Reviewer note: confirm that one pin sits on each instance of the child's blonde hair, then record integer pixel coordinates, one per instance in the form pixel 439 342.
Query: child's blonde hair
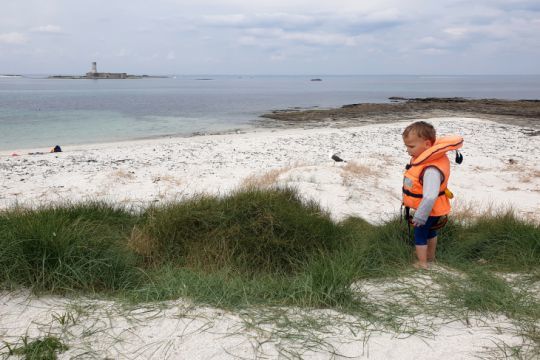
pixel 422 129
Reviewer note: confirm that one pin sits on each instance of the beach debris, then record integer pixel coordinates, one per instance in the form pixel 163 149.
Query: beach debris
pixel 512 161
pixel 14 154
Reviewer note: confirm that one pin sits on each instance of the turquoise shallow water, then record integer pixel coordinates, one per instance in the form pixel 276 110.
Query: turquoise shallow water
pixel 39 112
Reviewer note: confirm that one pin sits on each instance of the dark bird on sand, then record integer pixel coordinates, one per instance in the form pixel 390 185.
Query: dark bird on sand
pixel 336 158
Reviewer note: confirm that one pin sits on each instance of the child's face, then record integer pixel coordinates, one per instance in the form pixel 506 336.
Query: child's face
pixel 416 145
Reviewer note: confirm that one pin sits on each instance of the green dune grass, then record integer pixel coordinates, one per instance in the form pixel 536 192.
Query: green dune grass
pixel 67 248
pixel 250 234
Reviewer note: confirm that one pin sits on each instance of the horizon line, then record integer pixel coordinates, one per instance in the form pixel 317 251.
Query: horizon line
pixel 278 74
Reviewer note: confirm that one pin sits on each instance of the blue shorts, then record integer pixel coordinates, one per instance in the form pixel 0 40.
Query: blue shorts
pixel 423 233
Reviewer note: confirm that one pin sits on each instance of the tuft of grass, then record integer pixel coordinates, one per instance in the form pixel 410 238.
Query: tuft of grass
pixel 501 242
pixel 251 232
pixel 65 248
pixel 482 291
pixel 353 170
pixel 324 279
pixel 375 251
pixel 39 349
pixel 266 180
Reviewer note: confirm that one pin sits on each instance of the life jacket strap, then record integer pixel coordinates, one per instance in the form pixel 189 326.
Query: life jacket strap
pixel 438 225
pixel 414 195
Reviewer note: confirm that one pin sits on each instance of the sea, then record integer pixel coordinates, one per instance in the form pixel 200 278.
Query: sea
pixel 37 112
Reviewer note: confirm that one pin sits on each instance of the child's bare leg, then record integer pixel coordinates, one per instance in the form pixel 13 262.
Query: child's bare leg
pixel 431 247
pixel 421 255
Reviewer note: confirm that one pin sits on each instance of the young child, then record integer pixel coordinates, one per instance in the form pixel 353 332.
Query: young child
pixel 425 185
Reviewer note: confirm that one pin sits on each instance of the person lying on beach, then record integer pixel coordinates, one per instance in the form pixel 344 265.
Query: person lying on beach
pixel 425 185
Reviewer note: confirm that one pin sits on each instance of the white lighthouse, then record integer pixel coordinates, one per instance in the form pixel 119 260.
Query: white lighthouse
pixel 94 74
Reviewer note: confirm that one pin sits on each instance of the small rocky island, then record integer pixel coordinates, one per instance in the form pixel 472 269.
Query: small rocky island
pixel 95 75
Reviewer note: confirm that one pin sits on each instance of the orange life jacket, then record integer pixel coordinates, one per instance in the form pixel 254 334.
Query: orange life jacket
pixel 434 156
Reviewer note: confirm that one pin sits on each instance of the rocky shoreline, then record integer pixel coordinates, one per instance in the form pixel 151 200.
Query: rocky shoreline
pixel 525 113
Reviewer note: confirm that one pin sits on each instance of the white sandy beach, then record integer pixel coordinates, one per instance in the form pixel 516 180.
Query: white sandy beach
pixel 501 170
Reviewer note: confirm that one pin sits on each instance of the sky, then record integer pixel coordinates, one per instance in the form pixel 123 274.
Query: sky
pixel 270 36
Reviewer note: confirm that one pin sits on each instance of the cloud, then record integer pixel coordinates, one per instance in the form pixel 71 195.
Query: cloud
pixel 516 5
pixel 434 51
pixel 380 16
pixel 384 35
pixel 282 20
pixel 277 57
pixel 457 32
pixel 278 30
pixel 429 40
pixel 500 30
pixel 13 38
pixel 48 29
pixel 233 20
pixel 307 22
pixel 321 39
pixel 261 37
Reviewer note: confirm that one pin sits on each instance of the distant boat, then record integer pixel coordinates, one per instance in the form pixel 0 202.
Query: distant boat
pixel 316 79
